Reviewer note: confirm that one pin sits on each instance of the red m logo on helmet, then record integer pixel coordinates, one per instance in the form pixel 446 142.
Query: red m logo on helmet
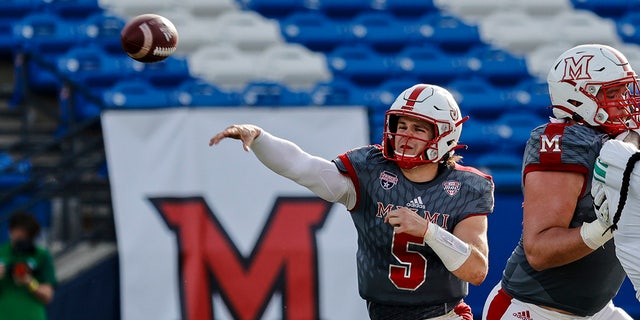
pixel 577 70
pixel 284 259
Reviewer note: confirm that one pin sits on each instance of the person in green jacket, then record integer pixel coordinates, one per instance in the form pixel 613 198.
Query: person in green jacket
pixel 27 276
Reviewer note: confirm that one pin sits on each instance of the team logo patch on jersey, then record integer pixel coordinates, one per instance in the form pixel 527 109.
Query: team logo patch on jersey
pixel 550 144
pixel 451 187
pixel 388 180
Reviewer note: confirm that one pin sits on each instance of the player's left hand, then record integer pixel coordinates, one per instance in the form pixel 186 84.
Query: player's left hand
pixel 405 220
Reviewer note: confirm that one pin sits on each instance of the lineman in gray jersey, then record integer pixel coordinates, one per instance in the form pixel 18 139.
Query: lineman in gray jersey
pixel 564 266
pixel 421 218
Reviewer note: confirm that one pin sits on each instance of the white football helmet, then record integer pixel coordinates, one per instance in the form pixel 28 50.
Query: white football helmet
pixel 580 73
pixel 432 104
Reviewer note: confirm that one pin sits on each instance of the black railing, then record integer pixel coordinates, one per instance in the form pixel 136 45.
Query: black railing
pixel 78 150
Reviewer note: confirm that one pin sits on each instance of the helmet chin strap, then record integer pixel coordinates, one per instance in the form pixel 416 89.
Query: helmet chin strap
pixel 410 161
pixel 404 155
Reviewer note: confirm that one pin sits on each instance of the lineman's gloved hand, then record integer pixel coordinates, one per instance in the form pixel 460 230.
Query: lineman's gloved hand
pixel 600 203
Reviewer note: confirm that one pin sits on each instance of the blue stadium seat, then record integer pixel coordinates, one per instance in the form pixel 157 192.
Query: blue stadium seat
pixel 77 107
pixel 16 9
pixel 166 73
pixel 42 32
pixel 200 93
pixel 135 94
pixel 609 8
pixel 628 26
pixel 381 31
pixel 497 65
pixel 506 170
pixel 268 94
pixel 360 64
pixel 13 173
pixel 447 31
pixel 7 41
pixel 89 71
pixel 405 8
pixel 504 136
pixel 11 11
pixel 532 95
pixel 103 29
pixel 336 92
pixel 99 77
pixel 71 9
pixel 41 37
pixel 475 137
pixel 91 67
pixel 339 8
pixel 314 30
pixel 8 164
pixel 479 98
pixel 273 8
pixel 514 130
pixel 430 64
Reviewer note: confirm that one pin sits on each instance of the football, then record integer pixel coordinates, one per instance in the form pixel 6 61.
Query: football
pixel 149 38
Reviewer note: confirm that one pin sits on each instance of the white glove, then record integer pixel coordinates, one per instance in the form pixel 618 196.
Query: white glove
pixel 600 203
pixel 597 232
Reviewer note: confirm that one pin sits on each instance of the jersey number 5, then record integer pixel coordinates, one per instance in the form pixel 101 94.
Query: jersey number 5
pixel 411 272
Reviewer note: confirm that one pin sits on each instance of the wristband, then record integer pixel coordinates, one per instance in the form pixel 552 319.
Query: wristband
pixel 452 251
pixel 33 285
pixel 595 234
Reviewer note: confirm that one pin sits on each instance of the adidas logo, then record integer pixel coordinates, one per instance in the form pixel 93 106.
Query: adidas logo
pixel 523 315
pixel 416 203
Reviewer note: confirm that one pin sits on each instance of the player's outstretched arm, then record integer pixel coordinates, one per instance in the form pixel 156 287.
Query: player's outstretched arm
pixel 285 158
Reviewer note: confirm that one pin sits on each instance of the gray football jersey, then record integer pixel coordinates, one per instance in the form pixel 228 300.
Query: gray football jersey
pixel 400 269
pixel 585 286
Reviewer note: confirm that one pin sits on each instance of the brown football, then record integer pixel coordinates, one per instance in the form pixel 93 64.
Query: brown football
pixel 149 38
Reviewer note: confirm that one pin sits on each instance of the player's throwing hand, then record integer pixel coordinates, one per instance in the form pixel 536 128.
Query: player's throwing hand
pixel 247 133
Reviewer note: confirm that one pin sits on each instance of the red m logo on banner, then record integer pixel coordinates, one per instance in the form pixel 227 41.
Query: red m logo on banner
pixel 284 259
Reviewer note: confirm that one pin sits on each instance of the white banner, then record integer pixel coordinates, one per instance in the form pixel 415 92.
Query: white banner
pixel 210 233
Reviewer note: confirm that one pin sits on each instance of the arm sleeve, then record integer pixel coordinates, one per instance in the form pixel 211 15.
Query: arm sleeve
pixel 319 175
